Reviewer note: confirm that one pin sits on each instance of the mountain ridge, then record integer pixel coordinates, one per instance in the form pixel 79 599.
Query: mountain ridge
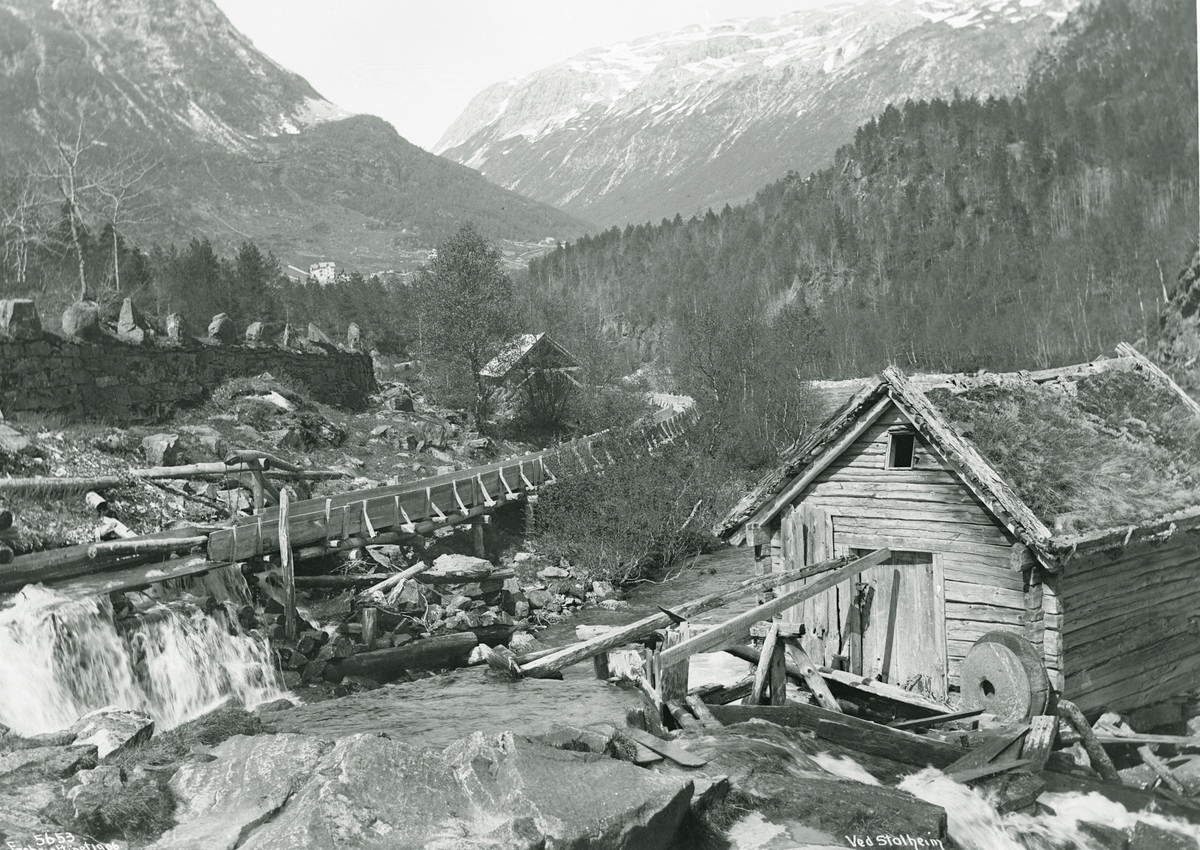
pixel 703 116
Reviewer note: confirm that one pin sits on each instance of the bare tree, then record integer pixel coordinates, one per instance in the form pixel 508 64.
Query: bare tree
pixel 66 175
pixel 23 225
pixel 122 188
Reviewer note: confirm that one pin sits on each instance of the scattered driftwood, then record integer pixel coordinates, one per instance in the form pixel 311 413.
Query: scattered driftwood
pixel 1068 711
pixel 862 735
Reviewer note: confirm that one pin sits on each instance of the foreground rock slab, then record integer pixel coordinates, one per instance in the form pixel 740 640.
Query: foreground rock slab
pixel 222 801
pixel 485 791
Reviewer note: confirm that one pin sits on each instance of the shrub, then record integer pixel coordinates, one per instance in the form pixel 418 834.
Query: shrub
pixel 636 517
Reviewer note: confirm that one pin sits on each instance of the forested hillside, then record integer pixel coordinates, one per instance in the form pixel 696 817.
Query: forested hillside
pixel 955 235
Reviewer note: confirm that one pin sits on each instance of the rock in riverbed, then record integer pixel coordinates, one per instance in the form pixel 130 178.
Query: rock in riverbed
pixel 493 791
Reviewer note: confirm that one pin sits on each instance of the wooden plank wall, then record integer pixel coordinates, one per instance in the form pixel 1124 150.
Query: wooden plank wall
pixel 925 509
pixel 1131 633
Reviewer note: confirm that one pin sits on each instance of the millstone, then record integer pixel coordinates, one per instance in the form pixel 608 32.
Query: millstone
pixel 1003 675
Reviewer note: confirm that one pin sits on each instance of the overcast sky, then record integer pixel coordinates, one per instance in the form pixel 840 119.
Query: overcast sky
pixel 416 63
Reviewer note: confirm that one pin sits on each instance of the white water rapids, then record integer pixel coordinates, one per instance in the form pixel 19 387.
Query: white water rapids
pixel 60 659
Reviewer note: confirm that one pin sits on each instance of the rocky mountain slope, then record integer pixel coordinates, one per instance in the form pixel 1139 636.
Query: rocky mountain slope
pixel 241 147
pixel 687 120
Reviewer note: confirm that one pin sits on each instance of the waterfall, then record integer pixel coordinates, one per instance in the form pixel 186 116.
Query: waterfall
pixel 61 658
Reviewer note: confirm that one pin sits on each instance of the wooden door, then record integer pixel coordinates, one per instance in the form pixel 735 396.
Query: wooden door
pixel 808 539
pixel 904 606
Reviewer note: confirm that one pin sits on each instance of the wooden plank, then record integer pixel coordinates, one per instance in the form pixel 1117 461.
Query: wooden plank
pixel 1040 741
pixel 926 722
pixel 903 540
pixel 890 627
pixel 973 774
pixel 737 626
pixel 872 688
pixel 814 680
pixel 1124 349
pixel 778 674
pixel 849 506
pixel 862 735
pixel 670 750
pixel 762 671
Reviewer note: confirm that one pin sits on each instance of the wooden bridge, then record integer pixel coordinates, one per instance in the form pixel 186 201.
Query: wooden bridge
pixel 315 527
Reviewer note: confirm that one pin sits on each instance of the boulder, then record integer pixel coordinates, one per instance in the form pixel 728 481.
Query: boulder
pixel 222 801
pixel 177 328
pixel 254 333
pixel 161 449
pixel 132 327
pixel 553 572
pixel 113 730
pixel 222 330
pixel 353 337
pixel 19 319
pixel 460 568
pixel 81 321
pixel 318 337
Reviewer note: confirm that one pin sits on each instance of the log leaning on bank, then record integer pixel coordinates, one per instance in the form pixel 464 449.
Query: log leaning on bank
pixel 573 654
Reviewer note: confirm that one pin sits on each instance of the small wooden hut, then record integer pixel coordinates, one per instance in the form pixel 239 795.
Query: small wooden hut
pixel 1060 506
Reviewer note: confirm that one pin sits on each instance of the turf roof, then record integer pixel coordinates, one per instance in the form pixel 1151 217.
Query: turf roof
pixel 1084 453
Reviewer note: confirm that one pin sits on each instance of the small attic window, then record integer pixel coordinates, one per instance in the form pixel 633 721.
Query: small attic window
pixel 900 450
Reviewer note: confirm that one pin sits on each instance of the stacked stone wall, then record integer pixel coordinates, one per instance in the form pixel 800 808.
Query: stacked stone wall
pixel 119 382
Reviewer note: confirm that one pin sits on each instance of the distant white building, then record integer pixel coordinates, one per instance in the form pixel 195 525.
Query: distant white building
pixel 323 273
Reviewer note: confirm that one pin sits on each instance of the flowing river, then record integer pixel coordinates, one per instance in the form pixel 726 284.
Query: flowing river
pixel 61 658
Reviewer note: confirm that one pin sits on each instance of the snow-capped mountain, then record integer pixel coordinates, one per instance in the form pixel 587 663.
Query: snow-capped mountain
pixel 239 147
pixel 685 120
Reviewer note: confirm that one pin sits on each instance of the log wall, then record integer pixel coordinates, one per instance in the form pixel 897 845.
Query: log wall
pixel 1131 624
pixel 925 509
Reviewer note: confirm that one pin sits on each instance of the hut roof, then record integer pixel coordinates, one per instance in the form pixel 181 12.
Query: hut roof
pixel 520 347
pixel 1081 456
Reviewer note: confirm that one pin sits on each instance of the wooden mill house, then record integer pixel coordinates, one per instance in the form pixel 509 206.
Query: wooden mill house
pixel 1058 506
